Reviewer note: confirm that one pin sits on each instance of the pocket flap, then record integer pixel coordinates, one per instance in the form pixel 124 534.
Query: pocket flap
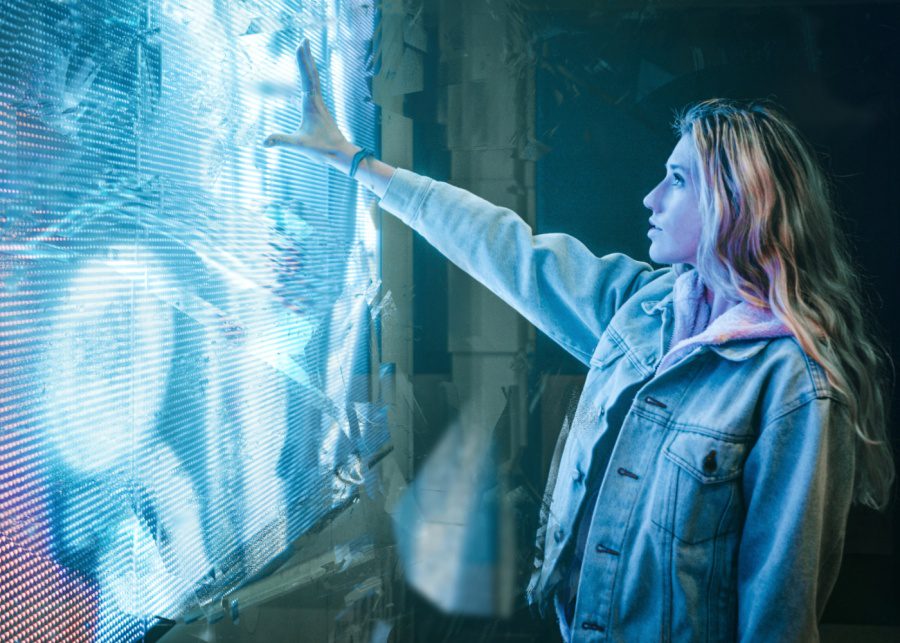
pixel 606 352
pixel 706 458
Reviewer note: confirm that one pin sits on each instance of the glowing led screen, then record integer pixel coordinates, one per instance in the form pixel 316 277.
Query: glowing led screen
pixel 185 316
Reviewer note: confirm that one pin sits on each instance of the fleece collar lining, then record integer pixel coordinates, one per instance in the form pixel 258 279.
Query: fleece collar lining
pixel 740 322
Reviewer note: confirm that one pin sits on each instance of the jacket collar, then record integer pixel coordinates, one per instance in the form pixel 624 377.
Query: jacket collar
pixel 655 306
pixel 738 334
pixel 740 352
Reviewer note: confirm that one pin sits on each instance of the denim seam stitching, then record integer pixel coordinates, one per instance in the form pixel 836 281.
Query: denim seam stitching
pixel 659 418
pixel 695 473
pixel 796 405
pixel 685 427
pixel 628 351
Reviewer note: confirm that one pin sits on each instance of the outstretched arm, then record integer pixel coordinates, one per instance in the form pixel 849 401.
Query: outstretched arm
pixel 319 137
pixel 553 280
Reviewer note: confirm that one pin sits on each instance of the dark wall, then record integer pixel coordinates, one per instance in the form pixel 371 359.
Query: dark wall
pixel 609 82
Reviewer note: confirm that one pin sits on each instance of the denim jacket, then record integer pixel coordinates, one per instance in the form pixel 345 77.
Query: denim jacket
pixel 721 478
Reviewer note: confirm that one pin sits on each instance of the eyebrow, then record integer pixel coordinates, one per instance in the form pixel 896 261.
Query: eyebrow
pixel 675 166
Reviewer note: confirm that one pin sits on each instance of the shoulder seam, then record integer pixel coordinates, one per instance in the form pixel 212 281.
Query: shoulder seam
pixel 821 386
pixel 798 403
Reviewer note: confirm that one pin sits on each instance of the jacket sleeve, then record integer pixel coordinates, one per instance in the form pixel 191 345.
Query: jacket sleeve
pixel 552 280
pixel 798 486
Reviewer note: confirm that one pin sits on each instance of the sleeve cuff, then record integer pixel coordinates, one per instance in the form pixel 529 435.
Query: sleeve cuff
pixel 404 195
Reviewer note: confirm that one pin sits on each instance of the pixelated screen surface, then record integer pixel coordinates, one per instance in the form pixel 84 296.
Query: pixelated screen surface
pixel 185 317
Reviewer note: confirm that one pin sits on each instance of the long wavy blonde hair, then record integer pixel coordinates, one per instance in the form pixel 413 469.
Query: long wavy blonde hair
pixel 770 236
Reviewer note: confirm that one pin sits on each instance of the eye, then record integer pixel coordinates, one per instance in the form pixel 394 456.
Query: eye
pixel 677 179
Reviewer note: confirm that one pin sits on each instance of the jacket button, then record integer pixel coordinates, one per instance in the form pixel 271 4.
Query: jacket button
pixel 577 475
pixel 709 462
pixel 600 411
pixel 558 535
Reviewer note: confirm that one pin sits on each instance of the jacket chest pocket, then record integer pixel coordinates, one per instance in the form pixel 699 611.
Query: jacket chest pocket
pixel 703 497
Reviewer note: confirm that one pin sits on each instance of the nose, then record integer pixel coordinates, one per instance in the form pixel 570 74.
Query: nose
pixel 650 200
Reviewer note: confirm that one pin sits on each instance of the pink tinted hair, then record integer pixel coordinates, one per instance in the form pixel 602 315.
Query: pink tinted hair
pixel 771 237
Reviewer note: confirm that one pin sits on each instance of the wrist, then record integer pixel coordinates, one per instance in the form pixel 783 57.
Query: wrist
pixel 342 155
pixel 358 159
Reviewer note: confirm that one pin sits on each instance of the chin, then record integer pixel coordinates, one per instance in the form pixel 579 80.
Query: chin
pixel 666 259
pixel 659 258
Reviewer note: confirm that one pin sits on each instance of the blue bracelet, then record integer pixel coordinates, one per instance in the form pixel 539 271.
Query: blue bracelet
pixel 357 159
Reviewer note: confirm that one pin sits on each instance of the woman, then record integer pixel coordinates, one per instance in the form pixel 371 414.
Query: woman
pixel 734 407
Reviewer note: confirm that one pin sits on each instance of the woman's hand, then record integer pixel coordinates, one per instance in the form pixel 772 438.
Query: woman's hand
pixel 318 136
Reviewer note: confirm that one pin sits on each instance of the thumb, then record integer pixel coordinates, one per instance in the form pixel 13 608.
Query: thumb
pixel 275 140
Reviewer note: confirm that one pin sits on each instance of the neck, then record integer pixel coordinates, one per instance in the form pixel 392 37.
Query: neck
pixel 718 303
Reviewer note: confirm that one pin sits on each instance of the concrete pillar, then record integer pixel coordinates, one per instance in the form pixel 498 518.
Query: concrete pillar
pixel 488 106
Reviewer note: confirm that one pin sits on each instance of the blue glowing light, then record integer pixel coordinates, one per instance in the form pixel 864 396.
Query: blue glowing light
pixel 185 317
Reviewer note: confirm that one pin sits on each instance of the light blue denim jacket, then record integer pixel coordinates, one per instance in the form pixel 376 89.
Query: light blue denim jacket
pixel 722 481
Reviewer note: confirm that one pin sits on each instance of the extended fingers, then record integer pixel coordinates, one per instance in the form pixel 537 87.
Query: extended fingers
pixel 279 139
pixel 313 70
pixel 309 75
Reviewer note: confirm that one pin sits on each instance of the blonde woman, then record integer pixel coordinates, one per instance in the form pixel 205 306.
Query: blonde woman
pixel 735 406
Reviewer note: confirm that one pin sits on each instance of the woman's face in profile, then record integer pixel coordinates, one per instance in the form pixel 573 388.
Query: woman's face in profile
pixel 674 203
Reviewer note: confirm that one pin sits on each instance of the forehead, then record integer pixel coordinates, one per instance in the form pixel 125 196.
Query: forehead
pixel 683 153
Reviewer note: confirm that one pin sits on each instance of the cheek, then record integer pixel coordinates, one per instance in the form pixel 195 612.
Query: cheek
pixel 684 237
pixel 696 229
pixel 690 234
pixel 690 222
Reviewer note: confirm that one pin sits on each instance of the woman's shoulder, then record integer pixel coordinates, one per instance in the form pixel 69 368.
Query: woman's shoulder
pixel 792 377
